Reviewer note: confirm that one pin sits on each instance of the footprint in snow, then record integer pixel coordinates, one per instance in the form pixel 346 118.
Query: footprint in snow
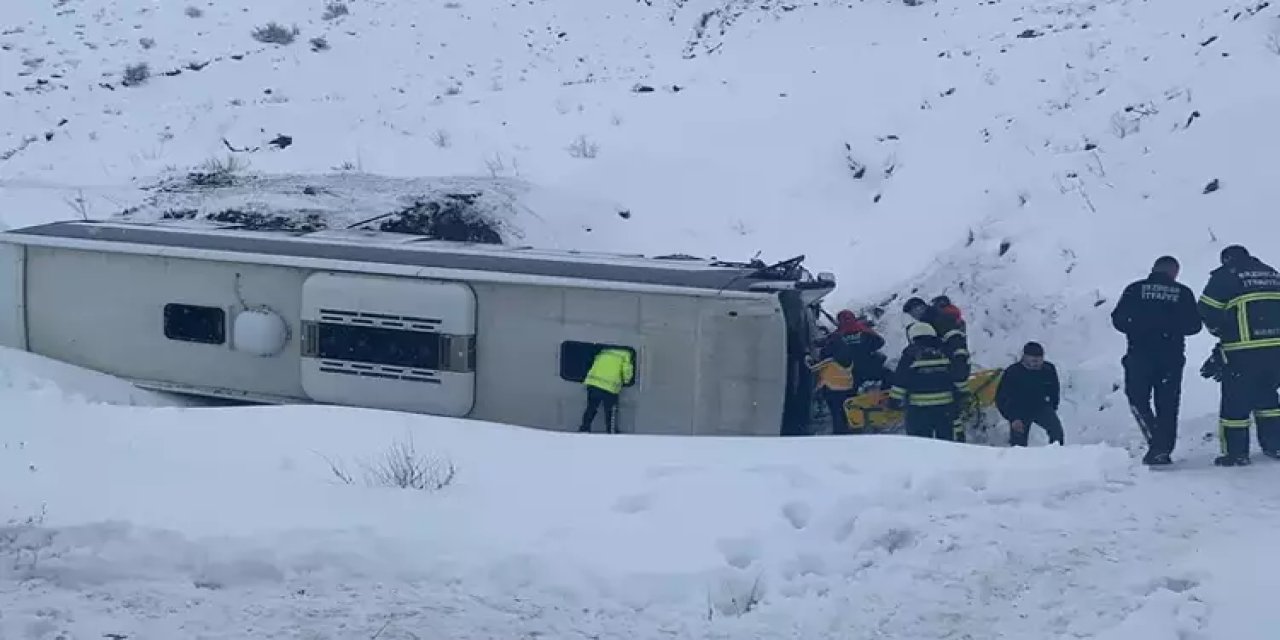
pixel 739 553
pixel 668 470
pixel 634 503
pixel 797 513
pixel 1169 583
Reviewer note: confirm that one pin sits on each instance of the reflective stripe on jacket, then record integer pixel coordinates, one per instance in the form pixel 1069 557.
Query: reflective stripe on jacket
pixel 611 370
pixel 925 376
pixel 1241 305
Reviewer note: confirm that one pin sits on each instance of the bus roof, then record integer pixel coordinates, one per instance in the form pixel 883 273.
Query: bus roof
pixel 379 247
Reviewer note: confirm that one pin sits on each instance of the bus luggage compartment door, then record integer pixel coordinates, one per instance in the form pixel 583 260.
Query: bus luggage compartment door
pixel 389 343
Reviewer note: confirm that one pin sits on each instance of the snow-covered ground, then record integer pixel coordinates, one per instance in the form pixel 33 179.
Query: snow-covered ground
pixel 1026 157
pixel 164 522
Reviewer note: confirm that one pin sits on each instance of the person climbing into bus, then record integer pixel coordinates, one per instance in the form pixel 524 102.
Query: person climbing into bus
pixel 924 385
pixel 611 370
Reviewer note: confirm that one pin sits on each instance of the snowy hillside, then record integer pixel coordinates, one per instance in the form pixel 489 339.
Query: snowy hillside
pixel 1026 157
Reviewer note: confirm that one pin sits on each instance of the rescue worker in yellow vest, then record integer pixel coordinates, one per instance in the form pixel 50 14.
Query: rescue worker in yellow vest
pixel 611 370
pixel 1241 307
pixel 924 385
pixel 835 384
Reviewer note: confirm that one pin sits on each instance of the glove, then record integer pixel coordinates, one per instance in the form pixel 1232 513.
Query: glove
pixel 1213 366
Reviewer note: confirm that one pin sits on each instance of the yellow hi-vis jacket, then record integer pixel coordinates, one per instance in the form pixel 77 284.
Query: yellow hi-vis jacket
pixel 611 370
pixel 833 376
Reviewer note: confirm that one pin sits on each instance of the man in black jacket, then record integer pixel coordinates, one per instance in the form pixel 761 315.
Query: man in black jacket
pixel 1029 394
pixel 1241 307
pixel 1156 314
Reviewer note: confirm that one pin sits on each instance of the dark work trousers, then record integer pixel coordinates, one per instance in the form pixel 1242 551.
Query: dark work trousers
pixel 1249 388
pixel 1158 375
pixel 595 398
pixel 1047 418
pixel 835 404
pixel 931 422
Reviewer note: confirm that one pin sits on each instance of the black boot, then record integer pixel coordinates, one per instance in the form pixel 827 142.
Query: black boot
pixel 1272 453
pixel 1157 459
pixel 1232 461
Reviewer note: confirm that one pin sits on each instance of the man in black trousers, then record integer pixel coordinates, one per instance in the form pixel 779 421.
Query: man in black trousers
pixel 1241 308
pixel 1156 314
pixel 1029 393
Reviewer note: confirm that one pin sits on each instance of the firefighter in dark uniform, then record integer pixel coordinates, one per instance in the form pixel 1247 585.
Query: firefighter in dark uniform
pixel 950 332
pixel 954 343
pixel 1241 307
pixel 1156 314
pixel 924 385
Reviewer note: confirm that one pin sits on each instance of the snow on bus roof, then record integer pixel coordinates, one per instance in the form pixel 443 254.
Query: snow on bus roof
pixel 408 250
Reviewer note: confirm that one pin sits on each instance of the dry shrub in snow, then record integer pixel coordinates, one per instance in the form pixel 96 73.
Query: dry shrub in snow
pixel 1273 43
pixel 735 596
pixel 217 172
pixel 273 33
pixel 319 44
pixel 335 10
pixel 401 466
pixel 583 148
pixel 136 74
pixel 441 138
pixel 193 12
pixel 23 541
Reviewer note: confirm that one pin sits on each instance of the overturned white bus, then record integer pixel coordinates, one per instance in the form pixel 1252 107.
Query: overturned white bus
pixel 401 322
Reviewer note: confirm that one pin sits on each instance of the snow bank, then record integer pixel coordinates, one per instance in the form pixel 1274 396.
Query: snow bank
pixel 199 509
pixel 203 511
pixel 59 382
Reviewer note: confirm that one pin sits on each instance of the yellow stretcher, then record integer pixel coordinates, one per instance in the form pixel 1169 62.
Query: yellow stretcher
pixel 870 410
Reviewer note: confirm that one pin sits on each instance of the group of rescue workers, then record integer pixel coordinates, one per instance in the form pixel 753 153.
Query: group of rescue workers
pixel 1240 306
pixel 930 382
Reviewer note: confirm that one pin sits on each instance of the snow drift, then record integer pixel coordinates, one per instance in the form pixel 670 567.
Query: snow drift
pixel 606 536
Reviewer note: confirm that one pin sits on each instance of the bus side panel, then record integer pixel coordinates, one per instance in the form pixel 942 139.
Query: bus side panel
pixel 744 372
pixel 522 336
pixel 13 296
pixel 106 312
